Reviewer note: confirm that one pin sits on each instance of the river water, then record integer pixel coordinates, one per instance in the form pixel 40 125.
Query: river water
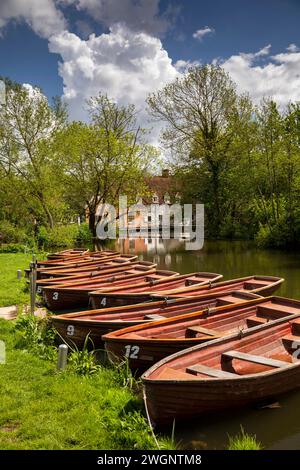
pixel 277 427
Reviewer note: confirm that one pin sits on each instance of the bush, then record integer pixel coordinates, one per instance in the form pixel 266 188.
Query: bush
pixel 9 233
pixel 84 236
pixel 60 236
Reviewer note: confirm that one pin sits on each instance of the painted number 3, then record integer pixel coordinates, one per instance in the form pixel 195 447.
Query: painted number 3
pixel 132 352
pixel 55 296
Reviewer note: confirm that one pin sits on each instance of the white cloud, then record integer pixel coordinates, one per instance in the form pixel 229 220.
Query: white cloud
pixel 200 33
pixel 138 15
pixel 124 64
pixel 183 65
pixel 41 15
pixel 293 48
pixel 279 78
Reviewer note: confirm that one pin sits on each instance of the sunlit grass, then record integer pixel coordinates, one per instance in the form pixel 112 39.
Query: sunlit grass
pixel 12 290
pixel 243 441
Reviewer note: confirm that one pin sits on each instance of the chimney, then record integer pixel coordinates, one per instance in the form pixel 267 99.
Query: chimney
pixel 166 173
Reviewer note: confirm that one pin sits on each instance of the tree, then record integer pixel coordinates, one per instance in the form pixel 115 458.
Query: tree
pixel 203 112
pixel 105 158
pixel 27 125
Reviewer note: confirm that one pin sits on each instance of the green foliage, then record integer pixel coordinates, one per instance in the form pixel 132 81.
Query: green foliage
pixel 83 361
pixel 244 441
pixel 84 235
pixel 36 335
pixel 59 236
pixel 124 376
pixel 10 233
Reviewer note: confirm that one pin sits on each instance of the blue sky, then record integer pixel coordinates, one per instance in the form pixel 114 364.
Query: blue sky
pixel 37 35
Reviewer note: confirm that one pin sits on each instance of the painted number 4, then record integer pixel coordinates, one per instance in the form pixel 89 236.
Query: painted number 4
pixel 132 352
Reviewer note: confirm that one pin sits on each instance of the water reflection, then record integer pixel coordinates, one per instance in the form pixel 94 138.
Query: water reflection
pixel 276 428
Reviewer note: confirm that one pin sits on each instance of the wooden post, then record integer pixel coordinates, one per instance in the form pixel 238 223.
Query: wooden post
pixel 32 284
pixel 19 274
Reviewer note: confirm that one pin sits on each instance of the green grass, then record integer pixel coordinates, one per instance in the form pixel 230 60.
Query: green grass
pixel 244 441
pixel 13 291
pixel 41 408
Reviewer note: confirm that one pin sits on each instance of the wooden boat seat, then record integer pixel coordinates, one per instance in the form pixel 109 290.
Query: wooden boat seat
pixel 256 321
pixel 228 300
pixel 288 340
pixel 254 284
pixel 210 371
pixel 295 324
pixel 265 361
pixel 194 330
pixel 276 310
pixel 154 317
pixel 168 373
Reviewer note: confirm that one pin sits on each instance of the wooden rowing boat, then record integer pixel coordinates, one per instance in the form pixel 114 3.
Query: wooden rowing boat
pixel 87 266
pixel 67 253
pixel 145 344
pixel 75 327
pixel 130 295
pixel 69 297
pixel 72 259
pixel 262 285
pixel 72 264
pixel 96 274
pixel 229 372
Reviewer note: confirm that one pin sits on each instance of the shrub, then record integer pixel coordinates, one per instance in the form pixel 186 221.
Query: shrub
pixel 59 236
pixel 244 441
pixel 37 336
pixel 84 235
pixel 9 233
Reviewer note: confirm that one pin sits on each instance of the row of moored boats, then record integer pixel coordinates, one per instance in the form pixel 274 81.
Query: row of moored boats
pixel 201 344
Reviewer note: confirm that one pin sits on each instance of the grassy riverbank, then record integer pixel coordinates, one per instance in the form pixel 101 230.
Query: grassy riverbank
pixel 13 291
pixel 41 408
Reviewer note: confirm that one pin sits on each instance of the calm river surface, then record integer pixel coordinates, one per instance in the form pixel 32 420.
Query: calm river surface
pixel 277 427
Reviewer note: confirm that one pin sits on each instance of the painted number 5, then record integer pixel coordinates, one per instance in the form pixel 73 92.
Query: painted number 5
pixel 132 352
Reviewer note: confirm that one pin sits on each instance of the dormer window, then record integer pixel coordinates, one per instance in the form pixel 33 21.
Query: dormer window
pixel 155 199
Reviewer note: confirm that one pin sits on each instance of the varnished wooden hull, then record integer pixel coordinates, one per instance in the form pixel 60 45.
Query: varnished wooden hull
pixel 145 344
pixel 75 327
pixel 186 396
pixel 144 293
pixel 71 297
pixel 169 401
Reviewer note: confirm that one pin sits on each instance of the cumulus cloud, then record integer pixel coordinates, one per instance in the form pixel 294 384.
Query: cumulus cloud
pixel 293 48
pixel 126 65
pixel 278 77
pixel 41 15
pixel 200 33
pixel 183 65
pixel 138 15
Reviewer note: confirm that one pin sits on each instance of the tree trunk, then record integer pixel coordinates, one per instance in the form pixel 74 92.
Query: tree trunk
pixel 92 222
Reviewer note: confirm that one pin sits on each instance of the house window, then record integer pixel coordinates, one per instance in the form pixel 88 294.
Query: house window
pixel 155 199
pixel 167 199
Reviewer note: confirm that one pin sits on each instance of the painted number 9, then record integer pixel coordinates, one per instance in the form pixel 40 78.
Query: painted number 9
pixel 132 352
pixel 70 330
